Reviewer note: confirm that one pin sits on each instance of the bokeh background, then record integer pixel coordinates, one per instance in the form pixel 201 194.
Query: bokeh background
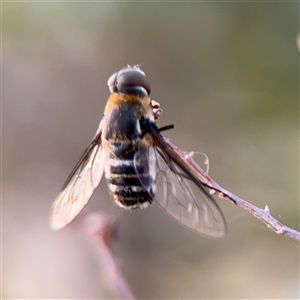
pixel 226 74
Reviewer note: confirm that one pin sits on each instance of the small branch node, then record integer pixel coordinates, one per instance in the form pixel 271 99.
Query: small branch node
pixel 212 192
pixel 190 155
pixel 280 231
pixel 267 209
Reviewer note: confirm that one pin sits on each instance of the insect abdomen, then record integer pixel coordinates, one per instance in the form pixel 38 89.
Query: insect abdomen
pixel 124 184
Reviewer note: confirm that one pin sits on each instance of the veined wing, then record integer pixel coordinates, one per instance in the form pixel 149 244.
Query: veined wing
pixel 179 190
pixel 80 184
pixel 192 206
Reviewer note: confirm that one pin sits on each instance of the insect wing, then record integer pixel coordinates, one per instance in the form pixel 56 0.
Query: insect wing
pixel 80 184
pixel 184 201
pixel 145 164
pixel 180 193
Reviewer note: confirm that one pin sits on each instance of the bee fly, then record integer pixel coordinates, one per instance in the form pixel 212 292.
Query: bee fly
pixel 138 164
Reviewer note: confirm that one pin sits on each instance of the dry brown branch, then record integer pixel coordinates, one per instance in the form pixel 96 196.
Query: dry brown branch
pixel 262 214
pixel 101 229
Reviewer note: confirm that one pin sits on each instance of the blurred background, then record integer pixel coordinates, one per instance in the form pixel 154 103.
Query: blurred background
pixel 227 76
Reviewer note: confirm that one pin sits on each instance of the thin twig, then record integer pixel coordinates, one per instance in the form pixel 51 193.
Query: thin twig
pixel 262 214
pixel 101 229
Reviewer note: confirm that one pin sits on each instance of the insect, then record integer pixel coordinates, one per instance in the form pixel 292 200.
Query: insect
pixel 138 164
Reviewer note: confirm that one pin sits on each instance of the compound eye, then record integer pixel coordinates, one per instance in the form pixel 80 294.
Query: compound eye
pixel 134 78
pixel 129 80
pixel 111 82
